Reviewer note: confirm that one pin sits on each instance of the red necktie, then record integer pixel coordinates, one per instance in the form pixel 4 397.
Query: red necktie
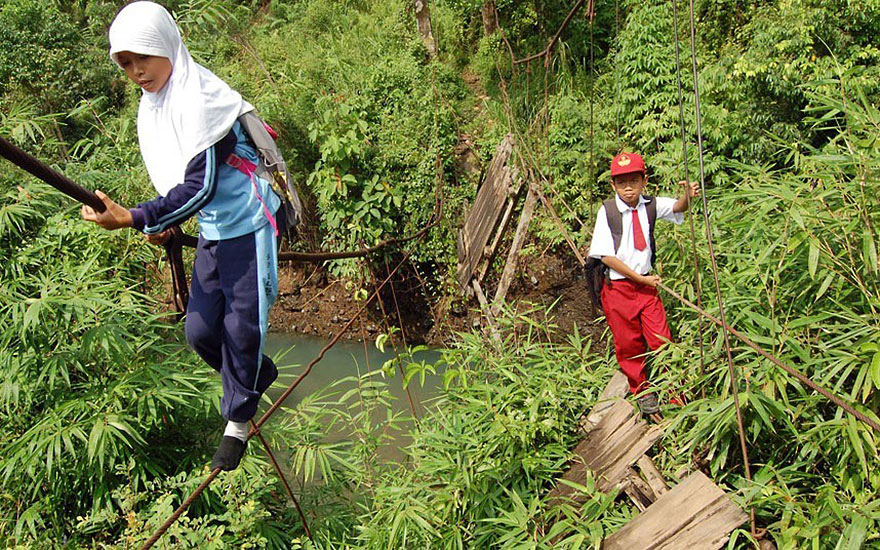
pixel 638 235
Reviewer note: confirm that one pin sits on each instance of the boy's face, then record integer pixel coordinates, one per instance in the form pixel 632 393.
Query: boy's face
pixel 629 187
pixel 150 72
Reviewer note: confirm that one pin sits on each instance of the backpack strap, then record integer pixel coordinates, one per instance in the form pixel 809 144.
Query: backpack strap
pixel 615 221
pixel 248 168
pixel 651 208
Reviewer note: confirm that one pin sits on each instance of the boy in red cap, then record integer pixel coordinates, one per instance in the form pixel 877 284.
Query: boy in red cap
pixel 623 239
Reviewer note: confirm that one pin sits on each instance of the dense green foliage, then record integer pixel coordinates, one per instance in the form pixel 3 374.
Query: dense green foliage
pixel 101 401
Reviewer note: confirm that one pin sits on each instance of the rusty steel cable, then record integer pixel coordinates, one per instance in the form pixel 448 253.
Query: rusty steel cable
pixel 256 426
pixel 591 178
pixel 316 257
pixel 803 378
pixel 283 479
pixel 616 75
pixel 398 359
pixel 336 338
pixel 698 285
pixel 402 331
pixel 733 378
pixel 549 48
pixel 44 172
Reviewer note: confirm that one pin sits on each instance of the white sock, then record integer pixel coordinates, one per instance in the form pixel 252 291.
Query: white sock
pixel 238 430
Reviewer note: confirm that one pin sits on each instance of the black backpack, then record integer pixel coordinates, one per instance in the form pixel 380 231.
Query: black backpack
pixel 596 272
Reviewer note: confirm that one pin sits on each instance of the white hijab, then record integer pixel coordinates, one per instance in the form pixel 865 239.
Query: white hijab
pixel 194 110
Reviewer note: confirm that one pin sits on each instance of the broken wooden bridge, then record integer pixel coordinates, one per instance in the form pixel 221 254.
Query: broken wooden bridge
pixel 695 514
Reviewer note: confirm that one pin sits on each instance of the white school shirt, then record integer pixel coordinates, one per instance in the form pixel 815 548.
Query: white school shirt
pixel 637 260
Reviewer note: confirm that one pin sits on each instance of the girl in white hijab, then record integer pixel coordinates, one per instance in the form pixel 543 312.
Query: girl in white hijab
pixel 202 162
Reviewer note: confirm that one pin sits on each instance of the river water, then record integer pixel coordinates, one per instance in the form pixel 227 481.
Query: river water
pixel 293 352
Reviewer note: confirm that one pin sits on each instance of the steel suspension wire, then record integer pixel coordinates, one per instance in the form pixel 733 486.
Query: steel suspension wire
pixel 687 178
pixel 616 75
pixel 344 329
pixel 730 367
pixel 402 334
pixel 398 359
pixel 283 479
pixel 256 426
pixel 807 381
pixel 591 12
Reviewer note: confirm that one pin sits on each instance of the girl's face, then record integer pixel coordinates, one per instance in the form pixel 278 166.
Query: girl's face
pixel 150 72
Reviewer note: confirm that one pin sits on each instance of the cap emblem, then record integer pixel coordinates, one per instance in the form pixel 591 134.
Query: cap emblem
pixel 623 160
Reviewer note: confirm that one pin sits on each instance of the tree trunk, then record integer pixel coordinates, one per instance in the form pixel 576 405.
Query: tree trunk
pixel 423 16
pixel 490 23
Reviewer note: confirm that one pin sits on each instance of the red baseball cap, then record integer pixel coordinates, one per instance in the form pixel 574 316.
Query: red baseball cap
pixel 627 163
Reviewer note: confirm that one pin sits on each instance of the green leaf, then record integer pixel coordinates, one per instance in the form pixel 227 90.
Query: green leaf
pixel 875 370
pixel 813 261
pixel 95 438
pixel 869 249
pixel 824 286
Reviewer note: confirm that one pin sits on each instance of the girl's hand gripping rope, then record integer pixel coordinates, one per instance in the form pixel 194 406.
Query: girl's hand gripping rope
pixel 114 216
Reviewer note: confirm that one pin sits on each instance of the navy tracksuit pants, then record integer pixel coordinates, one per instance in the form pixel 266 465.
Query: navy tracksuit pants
pixel 234 283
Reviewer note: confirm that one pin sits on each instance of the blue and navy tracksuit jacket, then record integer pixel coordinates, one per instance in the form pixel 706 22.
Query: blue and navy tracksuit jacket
pixel 235 275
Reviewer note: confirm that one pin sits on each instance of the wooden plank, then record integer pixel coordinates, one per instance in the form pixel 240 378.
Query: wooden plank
pixel 616 448
pixel 610 449
pixel 614 468
pixel 484 305
pixel 602 452
pixel 513 193
pixel 652 475
pixel 485 212
pixel 616 415
pixel 616 389
pixel 695 514
pixel 510 267
pixel 637 490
